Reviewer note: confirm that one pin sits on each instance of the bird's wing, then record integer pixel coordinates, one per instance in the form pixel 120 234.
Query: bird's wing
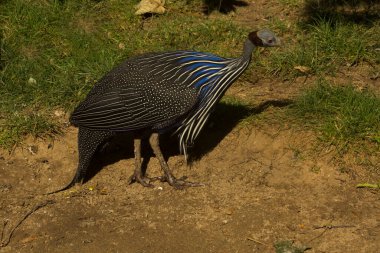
pixel 133 107
pixel 148 91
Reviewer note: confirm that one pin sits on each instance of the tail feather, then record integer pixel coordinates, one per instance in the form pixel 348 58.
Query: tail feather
pixel 76 180
pixel 88 143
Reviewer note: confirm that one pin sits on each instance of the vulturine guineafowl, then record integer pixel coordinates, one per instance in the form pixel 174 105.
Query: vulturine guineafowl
pixel 155 93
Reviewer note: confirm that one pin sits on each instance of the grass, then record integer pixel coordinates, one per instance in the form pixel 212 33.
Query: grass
pixel 289 247
pixel 323 47
pixel 20 125
pixel 52 52
pixel 327 36
pixel 343 115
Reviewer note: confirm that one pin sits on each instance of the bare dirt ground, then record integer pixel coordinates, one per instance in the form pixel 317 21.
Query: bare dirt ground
pixel 266 181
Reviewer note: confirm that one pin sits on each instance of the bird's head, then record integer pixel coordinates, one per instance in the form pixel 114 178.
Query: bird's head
pixel 264 38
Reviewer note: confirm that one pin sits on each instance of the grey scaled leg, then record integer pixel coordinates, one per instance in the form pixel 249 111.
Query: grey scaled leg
pixel 137 175
pixel 88 143
pixel 168 176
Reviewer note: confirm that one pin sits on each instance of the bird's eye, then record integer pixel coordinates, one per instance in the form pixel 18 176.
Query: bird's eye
pixel 270 41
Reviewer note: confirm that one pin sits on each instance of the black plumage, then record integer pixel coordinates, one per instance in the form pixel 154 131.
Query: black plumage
pixel 155 93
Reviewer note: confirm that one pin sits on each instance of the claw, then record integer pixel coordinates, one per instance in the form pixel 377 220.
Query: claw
pixel 179 183
pixel 144 181
pixel 168 176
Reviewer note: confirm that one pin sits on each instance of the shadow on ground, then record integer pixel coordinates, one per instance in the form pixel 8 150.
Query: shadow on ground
pixel 353 11
pixel 222 121
pixel 223 6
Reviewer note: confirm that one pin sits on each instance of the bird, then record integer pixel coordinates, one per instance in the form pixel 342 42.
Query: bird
pixel 154 93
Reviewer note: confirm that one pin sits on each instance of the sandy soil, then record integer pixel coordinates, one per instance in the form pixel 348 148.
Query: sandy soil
pixel 266 182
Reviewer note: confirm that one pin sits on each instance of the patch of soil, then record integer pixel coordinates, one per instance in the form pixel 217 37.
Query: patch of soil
pixel 264 184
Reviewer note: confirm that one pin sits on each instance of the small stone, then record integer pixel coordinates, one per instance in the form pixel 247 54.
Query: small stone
pixel 32 149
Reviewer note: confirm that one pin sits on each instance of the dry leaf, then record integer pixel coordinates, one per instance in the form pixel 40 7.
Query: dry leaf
pixel 302 69
pixel 59 113
pixel 121 45
pixel 29 239
pixel 150 6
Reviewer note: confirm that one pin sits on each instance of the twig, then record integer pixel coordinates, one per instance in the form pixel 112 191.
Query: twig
pixel 368 185
pixel 324 231
pixel 2 231
pixel 35 208
pixel 328 227
pixel 331 226
pixel 254 240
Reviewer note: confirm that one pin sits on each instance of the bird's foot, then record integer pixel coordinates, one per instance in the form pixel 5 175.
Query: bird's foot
pixel 178 183
pixel 144 181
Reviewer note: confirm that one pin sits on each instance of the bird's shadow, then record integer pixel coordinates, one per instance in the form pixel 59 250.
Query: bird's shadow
pixel 351 11
pixel 223 121
pixel 225 117
pixel 222 6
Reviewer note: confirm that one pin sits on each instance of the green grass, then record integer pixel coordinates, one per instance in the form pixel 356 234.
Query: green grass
pixel 17 126
pixel 289 247
pixel 324 38
pixel 343 115
pixel 323 47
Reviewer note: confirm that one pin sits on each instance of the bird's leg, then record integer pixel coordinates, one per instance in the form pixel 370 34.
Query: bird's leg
pixel 168 176
pixel 138 175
